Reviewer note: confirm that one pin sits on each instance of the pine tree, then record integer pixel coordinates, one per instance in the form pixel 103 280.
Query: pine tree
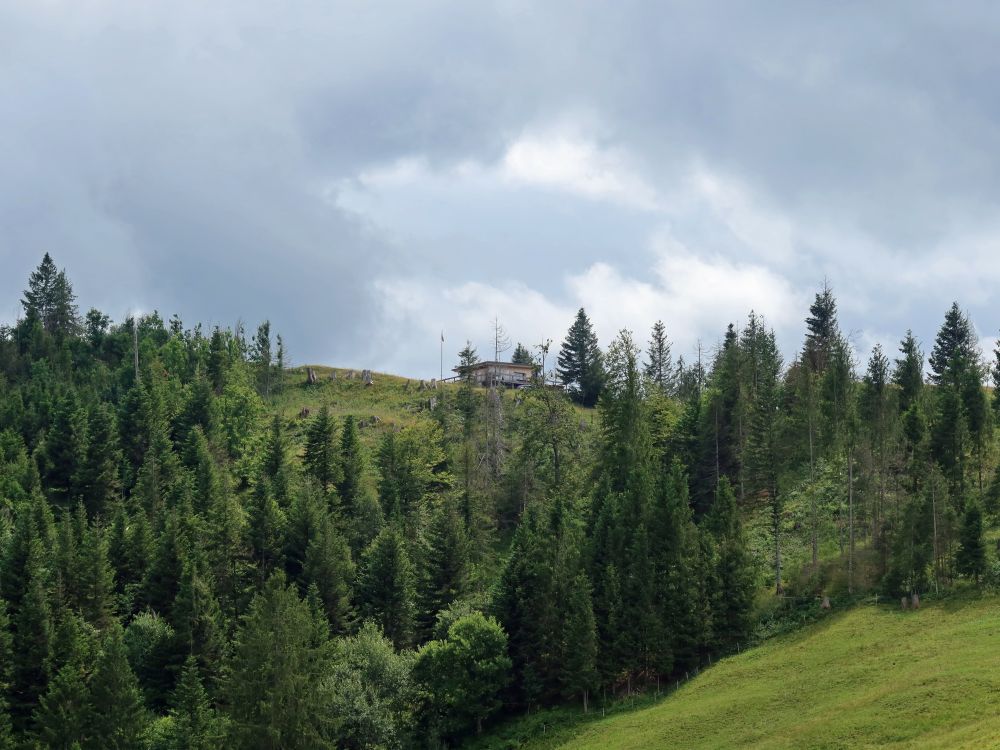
pixel 329 568
pixel 446 567
pixel 120 720
pixel 266 524
pixel 578 674
pixel 386 588
pixel 732 604
pixel 262 359
pixel 194 724
pixel 580 365
pixel 65 712
pixel 522 356
pixel 823 329
pixel 96 580
pixel 277 687
pixel 352 464
pixel 98 478
pixel 65 454
pixel 320 458
pixel 909 372
pixel 970 560
pixel 33 631
pixel 6 661
pixel 49 299
pixel 274 467
pixel 196 618
pixel 659 367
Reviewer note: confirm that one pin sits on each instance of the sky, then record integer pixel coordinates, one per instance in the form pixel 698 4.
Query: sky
pixel 368 175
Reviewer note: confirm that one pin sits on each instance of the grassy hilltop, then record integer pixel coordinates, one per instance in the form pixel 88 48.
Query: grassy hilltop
pixel 867 677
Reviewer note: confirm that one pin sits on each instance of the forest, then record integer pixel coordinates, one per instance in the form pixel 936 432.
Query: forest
pixel 190 560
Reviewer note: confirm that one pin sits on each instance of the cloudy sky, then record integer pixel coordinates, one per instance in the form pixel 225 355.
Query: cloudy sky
pixel 368 174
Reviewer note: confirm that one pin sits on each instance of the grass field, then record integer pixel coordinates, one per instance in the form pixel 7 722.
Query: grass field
pixel 868 677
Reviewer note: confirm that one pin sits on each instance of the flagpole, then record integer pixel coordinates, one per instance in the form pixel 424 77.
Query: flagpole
pixel 441 376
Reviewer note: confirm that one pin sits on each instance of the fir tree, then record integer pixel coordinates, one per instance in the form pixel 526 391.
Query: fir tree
pixel 65 713
pixel 329 568
pixel 49 299
pixel 352 465
pixel 580 364
pixel 522 356
pixel 578 673
pixel 386 587
pixel 909 372
pixel 194 724
pixel 446 569
pixel 120 720
pixel 659 367
pixel 970 560
pixel 277 687
pixel 320 458
pixel 823 329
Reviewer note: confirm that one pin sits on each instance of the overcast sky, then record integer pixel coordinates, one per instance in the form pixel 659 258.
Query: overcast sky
pixel 369 174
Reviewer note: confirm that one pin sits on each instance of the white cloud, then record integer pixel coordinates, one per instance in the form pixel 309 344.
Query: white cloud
pixel 695 296
pixel 577 165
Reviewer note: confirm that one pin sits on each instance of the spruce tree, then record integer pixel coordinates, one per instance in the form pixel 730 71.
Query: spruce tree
pixel 578 668
pixel 49 299
pixel 909 372
pixel 320 458
pixel 823 331
pixel 387 587
pixel 659 367
pixel 329 568
pixel 120 720
pixel 33 632
pixel 277 688
pixel 6 662
pixel 65 713
pixel 352 465
pixel 522 356
pixel 194 723
pixel 970 559
pixel 446 567
pixel 580 365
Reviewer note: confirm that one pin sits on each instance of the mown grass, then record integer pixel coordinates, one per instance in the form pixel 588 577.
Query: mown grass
pixel 868 677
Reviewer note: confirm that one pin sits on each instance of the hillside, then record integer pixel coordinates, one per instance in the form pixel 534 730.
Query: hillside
pixel 872 676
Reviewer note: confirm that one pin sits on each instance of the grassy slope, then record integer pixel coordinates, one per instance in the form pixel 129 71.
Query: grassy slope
pixel 872 676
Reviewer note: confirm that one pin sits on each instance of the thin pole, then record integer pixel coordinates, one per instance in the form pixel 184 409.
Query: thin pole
pixel 441 376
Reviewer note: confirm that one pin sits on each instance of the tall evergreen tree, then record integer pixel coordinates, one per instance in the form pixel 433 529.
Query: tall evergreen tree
pixel 49 299
pixel 321 457
pixel 120 720
pixel 194 724
pixel 659 367
pixel 276 689
pixel 580 363
pixel 387 587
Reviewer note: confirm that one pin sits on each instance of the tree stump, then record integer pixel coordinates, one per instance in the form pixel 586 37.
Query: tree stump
pixel 825 604
pixel 905 602
pixel 366 377
pixel 310 376
pixel 915 601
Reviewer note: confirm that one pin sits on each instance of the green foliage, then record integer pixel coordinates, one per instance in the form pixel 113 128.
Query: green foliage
pixel 460 678
pixel 276 688
pixel 580 363
pixel 372 690
pixel 387 587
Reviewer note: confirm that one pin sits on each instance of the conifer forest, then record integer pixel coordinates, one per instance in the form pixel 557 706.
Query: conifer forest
pixel 203 546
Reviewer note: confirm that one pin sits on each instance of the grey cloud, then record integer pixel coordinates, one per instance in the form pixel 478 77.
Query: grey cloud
pixel 177 156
